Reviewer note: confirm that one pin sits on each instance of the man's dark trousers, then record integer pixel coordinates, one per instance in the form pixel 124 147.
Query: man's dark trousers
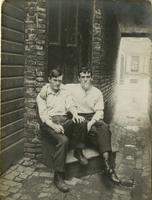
pixel 99 135
pixel 72 131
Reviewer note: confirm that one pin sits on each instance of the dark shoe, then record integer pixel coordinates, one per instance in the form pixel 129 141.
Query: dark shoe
pixel 111 173
pixel 114 178
pixel 81 158
pixel 59 182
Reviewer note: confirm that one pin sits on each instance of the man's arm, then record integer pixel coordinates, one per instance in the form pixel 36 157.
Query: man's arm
pixel 71 107
pixel 41 103
pixel 42 108
pixel 98 109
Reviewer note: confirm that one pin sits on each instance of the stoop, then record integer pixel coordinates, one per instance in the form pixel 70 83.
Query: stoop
pixel 73 167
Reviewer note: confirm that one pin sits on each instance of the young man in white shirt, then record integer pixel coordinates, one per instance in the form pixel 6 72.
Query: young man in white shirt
pixel 54 103
pixel 90 105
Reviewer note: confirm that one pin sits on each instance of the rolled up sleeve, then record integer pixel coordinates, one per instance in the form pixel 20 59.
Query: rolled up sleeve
pixel 41 103
pixel 98 108
pixel 70 104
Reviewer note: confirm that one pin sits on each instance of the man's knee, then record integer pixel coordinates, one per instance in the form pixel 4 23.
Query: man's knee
pixel 63 140
pixel 102 124
pixel 102 127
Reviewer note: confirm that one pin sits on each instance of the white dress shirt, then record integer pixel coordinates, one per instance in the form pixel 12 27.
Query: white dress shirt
pixel 52 104
pixel 87 102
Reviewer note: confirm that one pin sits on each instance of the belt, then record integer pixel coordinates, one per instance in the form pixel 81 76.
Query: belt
pixel 87 116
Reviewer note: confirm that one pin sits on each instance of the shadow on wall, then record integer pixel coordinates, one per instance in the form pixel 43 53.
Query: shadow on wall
pixel 112 37
pixel 108 112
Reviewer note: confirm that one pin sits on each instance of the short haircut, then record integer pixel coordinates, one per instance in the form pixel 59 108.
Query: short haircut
pixel 85 70
pixel 55 73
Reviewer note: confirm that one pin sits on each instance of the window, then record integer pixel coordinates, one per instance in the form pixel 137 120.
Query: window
pixel 134 63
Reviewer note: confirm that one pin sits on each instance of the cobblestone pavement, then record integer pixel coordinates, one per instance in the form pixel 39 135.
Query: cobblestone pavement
pixel 132 137
pixel 29 180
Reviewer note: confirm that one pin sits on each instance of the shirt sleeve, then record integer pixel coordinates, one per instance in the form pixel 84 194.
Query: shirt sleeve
pixel 41 102
pixel 98 108
pixel 70 104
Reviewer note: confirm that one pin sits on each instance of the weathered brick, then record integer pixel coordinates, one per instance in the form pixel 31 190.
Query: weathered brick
pixel 36 58
pixel 103 78
pixel 29 155
pixel 33 150
pixel 29 145
pixel 39 156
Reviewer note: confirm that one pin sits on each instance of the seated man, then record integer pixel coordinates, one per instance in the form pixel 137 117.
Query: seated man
pixel 54 103
pixel 90 105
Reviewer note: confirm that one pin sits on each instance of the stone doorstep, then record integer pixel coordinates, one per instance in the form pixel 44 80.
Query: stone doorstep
pixel 73 166
pixel 89 153
pixel 74 169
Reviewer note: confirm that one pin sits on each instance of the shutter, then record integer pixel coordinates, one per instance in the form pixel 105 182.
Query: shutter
pixel 12 83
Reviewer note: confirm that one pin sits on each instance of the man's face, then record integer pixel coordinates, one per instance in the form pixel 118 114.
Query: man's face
pixel 55 82
pixel 85 80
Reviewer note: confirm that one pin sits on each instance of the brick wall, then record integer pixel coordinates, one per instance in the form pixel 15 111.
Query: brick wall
pixel 105 43
pixel 35 67
pixel 103 63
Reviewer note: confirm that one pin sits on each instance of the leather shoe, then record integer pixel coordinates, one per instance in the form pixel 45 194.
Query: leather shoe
pixel 59 182
pixel 111 173
pixel 80 156
pixel 114 178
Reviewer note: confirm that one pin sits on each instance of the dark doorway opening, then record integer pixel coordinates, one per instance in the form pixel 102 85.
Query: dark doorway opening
pixel 69 35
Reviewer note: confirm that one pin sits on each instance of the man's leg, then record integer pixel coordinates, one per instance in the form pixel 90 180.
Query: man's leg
pixel 76 133
pixel 61 148
pixel 80 129
pixel 102 137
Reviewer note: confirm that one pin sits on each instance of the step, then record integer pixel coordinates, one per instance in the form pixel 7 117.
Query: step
pixel 74 169
pixel 88 152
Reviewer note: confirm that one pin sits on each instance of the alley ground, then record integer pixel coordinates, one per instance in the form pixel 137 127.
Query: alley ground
pixel 29 180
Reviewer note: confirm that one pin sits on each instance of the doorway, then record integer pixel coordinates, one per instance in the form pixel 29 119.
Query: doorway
pixel 69 35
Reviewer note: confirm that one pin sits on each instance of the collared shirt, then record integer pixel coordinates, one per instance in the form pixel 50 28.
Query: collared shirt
pixel 51 104
pixel 87 102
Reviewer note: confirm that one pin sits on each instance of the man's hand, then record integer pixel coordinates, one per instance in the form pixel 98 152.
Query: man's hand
pixel 78 119
pixel 56 127
pixel 90 124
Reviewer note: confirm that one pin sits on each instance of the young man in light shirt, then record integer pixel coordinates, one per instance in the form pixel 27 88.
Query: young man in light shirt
pixel 90 105
pixel 54 103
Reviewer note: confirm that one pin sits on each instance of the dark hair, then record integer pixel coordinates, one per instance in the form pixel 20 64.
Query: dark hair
pixel 85 70
pixel 55 73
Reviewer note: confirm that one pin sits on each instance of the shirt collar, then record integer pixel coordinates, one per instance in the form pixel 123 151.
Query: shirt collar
pixel 50 91
pixel 85 91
